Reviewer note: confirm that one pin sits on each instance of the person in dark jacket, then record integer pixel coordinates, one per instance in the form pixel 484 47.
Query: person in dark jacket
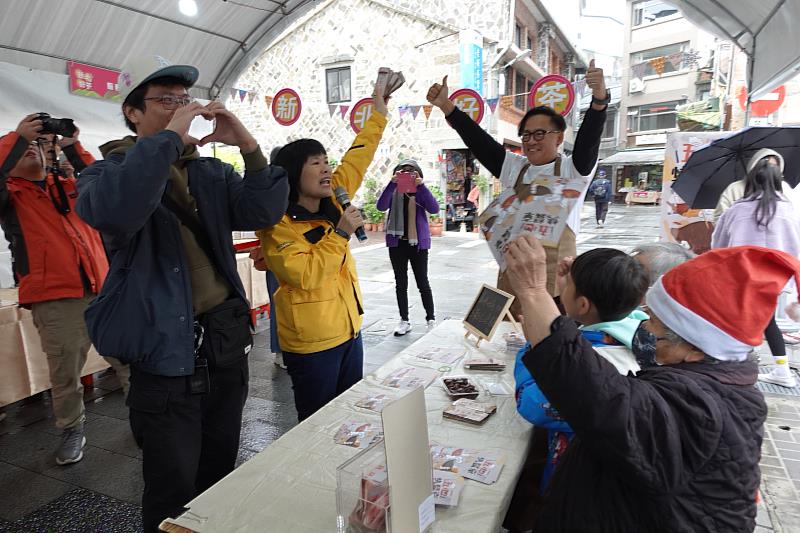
pixel 173 305
pixel 601 193
pixel 676 448
pixel 409 241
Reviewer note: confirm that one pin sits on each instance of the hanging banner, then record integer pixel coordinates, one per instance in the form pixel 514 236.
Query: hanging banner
pixel 470 45
pixel 415 111
pixel 343 110
pixel 94 82
pixel 492 103
pixel 251 96
pixel 427 108
pixel 658 64
pixel 360 114
pixel 242 94
pixel 234 93
pixel 331 110
pixel 676 60
pixel 286 107
pixel 638 70
pixel 680 223
pixel 470 102
pixel 268 101
pixel 553 91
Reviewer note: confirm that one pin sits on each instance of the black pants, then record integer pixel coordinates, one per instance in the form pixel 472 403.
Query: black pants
pixel 400 256
pixel 189 441
pixel 600 211
pixel 774 337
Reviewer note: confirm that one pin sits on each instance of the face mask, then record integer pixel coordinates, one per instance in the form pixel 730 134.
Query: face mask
pixel 644 347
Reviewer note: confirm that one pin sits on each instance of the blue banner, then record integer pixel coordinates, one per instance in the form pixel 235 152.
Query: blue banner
pixel 471 51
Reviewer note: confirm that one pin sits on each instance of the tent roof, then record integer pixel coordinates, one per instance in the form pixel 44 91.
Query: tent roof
pixel 631 157
pixel 765 30
pixel 222 40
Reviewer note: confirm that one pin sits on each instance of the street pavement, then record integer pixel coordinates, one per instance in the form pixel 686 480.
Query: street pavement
pixel 102 492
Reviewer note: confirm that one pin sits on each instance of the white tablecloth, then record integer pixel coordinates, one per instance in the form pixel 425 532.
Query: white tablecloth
pixel 291 485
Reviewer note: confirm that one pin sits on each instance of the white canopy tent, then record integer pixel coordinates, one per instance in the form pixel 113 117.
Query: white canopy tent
pixel 766 30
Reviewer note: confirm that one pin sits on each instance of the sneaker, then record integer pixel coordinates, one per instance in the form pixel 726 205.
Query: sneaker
pixel 431 324
pixel 402 328
pixel 72 443
pixel 776 379
pixel 279 360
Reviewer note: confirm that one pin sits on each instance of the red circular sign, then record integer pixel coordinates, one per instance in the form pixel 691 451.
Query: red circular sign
pixel 360 113
pixel 286 107
pixel 553 91
pixel 470 102
pixel 766 105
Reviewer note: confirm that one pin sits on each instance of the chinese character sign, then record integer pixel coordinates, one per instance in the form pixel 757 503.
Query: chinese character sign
pixel 470 102
pixel 553 91
pixel 94 82
pixel 470 44
pixel 360 114
pixel 286 107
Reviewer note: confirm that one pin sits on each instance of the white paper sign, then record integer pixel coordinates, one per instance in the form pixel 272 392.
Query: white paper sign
pixel 427 513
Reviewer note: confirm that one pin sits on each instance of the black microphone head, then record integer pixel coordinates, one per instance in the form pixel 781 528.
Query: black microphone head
pixel 341 195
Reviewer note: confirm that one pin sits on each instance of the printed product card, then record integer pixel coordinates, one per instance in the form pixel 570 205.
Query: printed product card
pixel 485 363
pixel 470 411
pixel 358 434
pixel 543 213
pixel 409 378
pixel 472 464
pixel 370 513
pixel 375 402
pixel 441 355
pixel 447 488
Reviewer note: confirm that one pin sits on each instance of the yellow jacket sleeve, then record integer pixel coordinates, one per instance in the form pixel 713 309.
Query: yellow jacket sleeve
pixel 358 157
pixel 298 263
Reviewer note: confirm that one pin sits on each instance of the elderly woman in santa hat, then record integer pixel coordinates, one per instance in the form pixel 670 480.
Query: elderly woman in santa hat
pixel 675 448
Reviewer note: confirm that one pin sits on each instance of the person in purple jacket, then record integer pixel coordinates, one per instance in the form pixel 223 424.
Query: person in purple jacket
pixel 409 242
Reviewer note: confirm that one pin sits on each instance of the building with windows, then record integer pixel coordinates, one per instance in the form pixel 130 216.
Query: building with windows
pixel 662 60
pixel 331 55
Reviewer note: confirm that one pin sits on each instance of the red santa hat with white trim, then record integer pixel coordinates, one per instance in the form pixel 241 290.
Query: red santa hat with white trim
pixel 721 301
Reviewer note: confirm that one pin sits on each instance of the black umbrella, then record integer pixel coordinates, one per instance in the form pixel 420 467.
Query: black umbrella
pixel 712 168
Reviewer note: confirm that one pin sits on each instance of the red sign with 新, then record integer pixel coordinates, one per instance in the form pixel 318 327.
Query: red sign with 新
pixel 767 105
pixel 286 107
pixel 95 82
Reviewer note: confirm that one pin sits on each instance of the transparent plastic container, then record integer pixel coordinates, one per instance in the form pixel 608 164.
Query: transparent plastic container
pixel 362 493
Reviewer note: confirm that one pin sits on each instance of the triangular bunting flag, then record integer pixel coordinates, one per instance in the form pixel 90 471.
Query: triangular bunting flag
pixel 403 110
pixel 658 64
pixel 331 110
pixel 492 103
pixel 639 69
pixel 242 94
pixel 233 93
pixel 691 58
pixel 268 100
pixel 343 110
pixel 506 101
pixel 415 111
pixel 675 60
pixel 251 96
pixel 427 108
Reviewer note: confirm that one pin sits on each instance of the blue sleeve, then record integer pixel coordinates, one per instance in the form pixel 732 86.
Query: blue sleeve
pixel 609 192
pixel 118 195
pixel 532 404
pixel 258 200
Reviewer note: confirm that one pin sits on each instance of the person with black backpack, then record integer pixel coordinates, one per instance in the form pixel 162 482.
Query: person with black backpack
pixel 601 192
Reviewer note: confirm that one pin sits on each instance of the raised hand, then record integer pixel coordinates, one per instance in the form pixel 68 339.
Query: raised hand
pixel 596 81
pixel 182 119
pixel 438 96
pixel 29 127
pixel 229 129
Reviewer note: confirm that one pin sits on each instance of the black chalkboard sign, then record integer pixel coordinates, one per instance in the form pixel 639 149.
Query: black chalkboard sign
pixel 487 311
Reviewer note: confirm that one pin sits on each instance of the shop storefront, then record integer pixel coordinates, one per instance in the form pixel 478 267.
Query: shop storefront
pixel 636 175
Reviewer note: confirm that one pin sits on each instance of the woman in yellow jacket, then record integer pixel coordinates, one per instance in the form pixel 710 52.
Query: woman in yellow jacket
pixel 319 305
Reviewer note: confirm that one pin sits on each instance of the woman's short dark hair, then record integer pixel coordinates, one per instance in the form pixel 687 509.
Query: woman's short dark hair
pixel 292 157
pixel 136 98
pixel 555 118
pixel 611 279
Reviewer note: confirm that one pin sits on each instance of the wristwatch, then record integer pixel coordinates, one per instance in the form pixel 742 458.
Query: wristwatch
pixel 604 101
pixel 342 233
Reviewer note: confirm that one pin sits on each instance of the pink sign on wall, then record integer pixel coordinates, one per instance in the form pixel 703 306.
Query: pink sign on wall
pixel 94 82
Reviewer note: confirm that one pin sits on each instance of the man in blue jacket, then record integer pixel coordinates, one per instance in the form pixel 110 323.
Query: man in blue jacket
pixel 173 305
pixel 601 192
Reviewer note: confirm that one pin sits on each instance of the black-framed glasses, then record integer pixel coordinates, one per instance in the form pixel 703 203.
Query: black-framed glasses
pixel 536 135
pixel 170 101
pixel 42 142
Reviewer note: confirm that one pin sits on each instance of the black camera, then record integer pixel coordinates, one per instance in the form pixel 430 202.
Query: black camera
pixel 64 127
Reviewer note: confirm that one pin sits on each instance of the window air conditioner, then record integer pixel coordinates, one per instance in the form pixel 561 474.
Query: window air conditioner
pixel 636 85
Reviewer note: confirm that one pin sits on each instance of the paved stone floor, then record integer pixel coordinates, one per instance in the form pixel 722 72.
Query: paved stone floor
pixel 102 492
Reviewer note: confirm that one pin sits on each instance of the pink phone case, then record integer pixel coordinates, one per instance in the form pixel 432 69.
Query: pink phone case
pixel 406 182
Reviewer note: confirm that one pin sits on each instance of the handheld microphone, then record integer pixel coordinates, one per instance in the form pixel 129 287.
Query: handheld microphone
pixel 344 200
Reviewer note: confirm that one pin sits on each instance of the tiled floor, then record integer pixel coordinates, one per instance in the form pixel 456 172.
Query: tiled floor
pixel 101 493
